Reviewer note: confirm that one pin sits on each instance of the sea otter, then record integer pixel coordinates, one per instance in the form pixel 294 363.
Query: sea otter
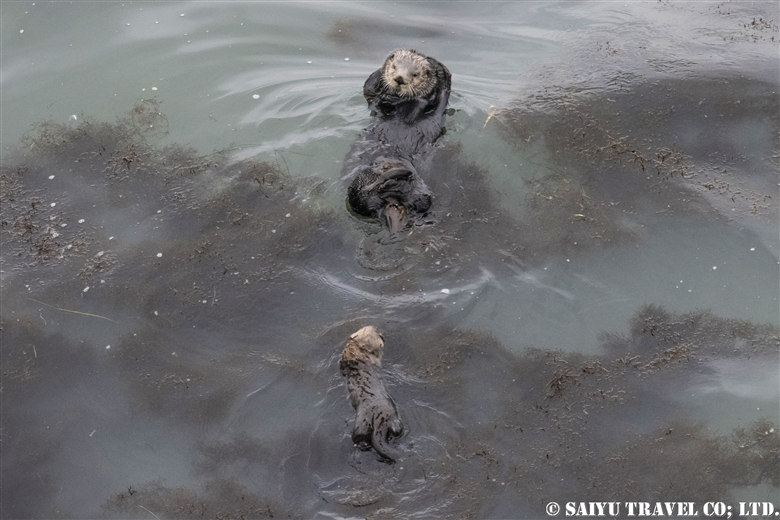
pixel 408 82
pixel 409 95
pixel 391 191
pixel 377 417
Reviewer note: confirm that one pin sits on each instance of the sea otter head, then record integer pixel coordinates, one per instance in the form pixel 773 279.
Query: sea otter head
pixel 408 74
pixel 365 345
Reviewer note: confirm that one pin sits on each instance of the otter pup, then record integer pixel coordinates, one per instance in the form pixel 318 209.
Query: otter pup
pixel 377 417
pixel 391 191
pixel 409 85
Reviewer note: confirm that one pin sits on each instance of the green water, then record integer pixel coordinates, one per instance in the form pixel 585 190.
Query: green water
pixel 172 319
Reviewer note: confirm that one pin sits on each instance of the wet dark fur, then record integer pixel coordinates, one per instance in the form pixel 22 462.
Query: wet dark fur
pixel 409 122
pixel 377 418
pixel 391 191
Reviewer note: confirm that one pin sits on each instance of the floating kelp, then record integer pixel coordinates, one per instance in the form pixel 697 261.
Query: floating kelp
pixel 192 334
pixel 664 147
pixel 490 432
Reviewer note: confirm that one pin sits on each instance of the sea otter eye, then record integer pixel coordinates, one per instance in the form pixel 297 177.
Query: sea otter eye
pixel 415 75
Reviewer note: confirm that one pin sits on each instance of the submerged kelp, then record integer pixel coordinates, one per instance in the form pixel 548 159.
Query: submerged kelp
pixel 490 433
pixel 665 147
pixel 192 334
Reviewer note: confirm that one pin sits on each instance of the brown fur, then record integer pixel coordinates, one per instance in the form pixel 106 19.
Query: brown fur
pixel 377 417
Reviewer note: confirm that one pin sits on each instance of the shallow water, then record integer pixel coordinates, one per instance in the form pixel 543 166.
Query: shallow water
pixel 173 317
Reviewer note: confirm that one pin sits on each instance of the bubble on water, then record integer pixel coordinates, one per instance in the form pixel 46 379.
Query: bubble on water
pixel 53 204
pixel 159 255
pixel 154 88
pixel 346 59
pixel 51 177
pixel 256 96
pixel 445 291
pixel 108 347
pixel 86 289
pixel 81 221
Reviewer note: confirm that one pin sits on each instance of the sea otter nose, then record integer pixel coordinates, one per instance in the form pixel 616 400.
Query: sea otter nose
pixel 400 80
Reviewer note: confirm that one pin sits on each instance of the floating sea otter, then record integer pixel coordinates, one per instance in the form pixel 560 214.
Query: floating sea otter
pixel 408 84
pixel 409 95
pixel 391 191
pixel 377 417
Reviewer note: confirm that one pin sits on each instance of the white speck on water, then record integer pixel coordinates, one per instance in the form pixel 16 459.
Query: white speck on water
pixel 752 248
pixel 108 347
pixel 568 260
pixel 309 62
pixel 93 431
pixel 21 31
pixel 156 22
pixel 154 88
pixel 86 289
pixel 181 15
pixel 256 96
pixel 273 231
pixel 156 313
pixel 51 177
pixel 346 59
pixel 53 204
pixel 445 291
pixel 81 221
pixel 159 255
pixel 159 211
pixel 100 253
pixel 111 238
pixel 288 215
pixel 128 25
pixel 205 301
pixel 714 267
pixel 63 225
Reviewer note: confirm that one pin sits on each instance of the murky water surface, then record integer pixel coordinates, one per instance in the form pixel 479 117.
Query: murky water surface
pixel 590 312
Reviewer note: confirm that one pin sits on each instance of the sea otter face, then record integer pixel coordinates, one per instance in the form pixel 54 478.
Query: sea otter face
pixel 370 344
pixel 409 74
